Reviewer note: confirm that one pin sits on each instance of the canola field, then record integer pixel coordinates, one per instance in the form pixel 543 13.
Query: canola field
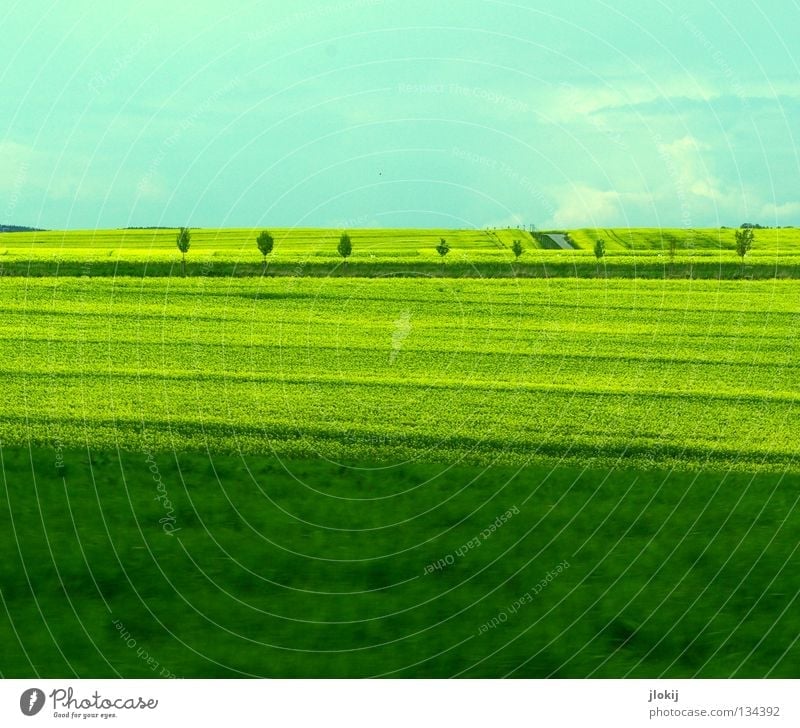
pixel 680 374
pixel 396 467
pixel 631 253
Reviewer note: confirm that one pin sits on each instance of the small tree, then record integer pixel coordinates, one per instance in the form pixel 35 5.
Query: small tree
pixel 183 240
pixel 672 242
pixel 443 248
pixel 672 249
pixel 517 249
pixel 345 246
pixel 744 241
pixel 265 243
pixel 599 251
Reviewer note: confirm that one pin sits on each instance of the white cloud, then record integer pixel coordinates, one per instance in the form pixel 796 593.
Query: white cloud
pixel 28 176
pixel 581 205
pixel 687 171
pixel 15 165
pixel 573 103
pixel 782 212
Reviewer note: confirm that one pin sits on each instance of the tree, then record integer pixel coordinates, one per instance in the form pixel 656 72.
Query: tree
pixel 517 248
pixel 345 246
pixel 443 248
pixel 672 249
pixel 265 243
pixel 744 241
pixel 599 248
pixel 672 242
pixel 183 240
pixel 599 251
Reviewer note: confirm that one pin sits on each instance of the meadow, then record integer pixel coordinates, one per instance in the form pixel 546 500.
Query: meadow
pixel 631 253
pixel 305 568
pixel 407 473
pixel 593 372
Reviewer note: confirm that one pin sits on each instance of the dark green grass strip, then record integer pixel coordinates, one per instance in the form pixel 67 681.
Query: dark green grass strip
pixel 305 568
pixel 530 266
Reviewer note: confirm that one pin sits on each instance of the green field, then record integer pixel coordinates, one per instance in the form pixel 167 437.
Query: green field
pixel 234 475
pixel 774 241
pixel 599 372
pixel 303 568
pixel 632 253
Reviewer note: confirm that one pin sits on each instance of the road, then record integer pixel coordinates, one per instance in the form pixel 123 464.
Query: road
pixel 560 241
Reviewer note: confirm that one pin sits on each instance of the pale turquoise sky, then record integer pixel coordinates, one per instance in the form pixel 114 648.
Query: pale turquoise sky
pixel 361 113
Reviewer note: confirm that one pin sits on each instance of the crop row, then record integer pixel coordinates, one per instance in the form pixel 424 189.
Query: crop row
pixel 698 374
pixel 453 253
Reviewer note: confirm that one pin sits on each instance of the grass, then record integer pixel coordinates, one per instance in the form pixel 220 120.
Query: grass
pixel 776 241
pixel 600 372
pixel 632 253
pixel 305 568
pixel 232 475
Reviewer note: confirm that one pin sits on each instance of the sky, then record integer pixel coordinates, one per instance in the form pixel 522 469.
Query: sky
pixel 399 113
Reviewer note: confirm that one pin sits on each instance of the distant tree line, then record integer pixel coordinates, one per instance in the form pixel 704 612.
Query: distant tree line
pixel 756 226
pixel 20 229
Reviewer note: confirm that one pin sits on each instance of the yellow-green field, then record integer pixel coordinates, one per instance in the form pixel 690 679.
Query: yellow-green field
pixel 303 475
pixel 772 242
pixel 631 253
pixel 238 244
